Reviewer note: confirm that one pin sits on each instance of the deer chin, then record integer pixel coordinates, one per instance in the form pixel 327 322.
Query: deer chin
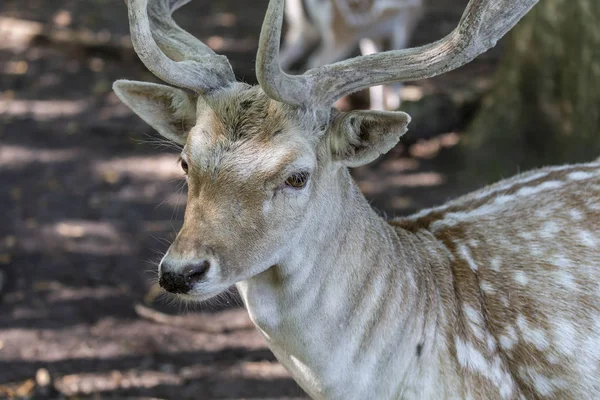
pixel 202 292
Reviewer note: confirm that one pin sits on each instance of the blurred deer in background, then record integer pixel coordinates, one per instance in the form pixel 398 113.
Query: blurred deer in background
pixel 338 26
pixel 495 295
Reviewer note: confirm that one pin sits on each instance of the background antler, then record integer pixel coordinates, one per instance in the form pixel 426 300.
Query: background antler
pixel 171 53
pixel 482 24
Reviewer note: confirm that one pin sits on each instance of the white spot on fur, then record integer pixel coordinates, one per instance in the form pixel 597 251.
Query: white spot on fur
pixel 553 359
pixel 566 279
pixel 474 243
pixel 466 254
pixel 502 379
pixel 564 335
pixel 495 264
pixel 491 343
pixel 503 199
pixel 475 321
pixel 526 235
pixel 532 335
pixel 469 357
pixel 576 215
pixel 521 278
pixel 542 384
pixel 531 190
pixel 550 230
pixel 587 239
pixel 579 175
pixel 535 250
pixel 506 343
pixel 473 315
pixel 562 262
pixel 508 340
pixel 487 288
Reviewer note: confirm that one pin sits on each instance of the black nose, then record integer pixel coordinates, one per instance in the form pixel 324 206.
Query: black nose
pixel 183 282
pixel 195 272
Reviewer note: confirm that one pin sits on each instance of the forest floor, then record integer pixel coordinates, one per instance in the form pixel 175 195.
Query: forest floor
pixel 89 202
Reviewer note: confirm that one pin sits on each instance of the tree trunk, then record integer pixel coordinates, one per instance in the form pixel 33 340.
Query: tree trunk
pixel 544 107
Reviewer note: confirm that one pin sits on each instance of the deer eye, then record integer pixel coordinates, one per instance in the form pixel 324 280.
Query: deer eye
pixel 184 165
pixel 297 180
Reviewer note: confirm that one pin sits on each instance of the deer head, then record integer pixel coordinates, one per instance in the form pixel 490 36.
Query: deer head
pixel 265 163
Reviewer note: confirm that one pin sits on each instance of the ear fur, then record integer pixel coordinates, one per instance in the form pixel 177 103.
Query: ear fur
pixel 171 111
pixel 359 137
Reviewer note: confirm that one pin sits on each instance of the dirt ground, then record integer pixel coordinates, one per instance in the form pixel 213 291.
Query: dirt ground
pixel 89 202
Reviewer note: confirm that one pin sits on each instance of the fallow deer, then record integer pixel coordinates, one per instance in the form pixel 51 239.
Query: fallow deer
pixel 338 26
pixel 495 295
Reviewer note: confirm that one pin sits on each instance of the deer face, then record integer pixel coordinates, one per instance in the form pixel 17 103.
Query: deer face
pixel 257 172
pixel 250 179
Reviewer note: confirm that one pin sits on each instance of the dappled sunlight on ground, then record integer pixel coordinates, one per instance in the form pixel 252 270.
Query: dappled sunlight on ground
pixel 13 156
pixel 81 237
pixel 371 187
pixel 430 148
pixel 42 110
pixel 163 166
pixel 17 34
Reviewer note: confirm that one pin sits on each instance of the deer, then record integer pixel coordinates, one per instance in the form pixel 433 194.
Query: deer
pixel 338 26
pixel 493 295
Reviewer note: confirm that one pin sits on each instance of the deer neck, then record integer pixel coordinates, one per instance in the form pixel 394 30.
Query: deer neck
pixel 354 293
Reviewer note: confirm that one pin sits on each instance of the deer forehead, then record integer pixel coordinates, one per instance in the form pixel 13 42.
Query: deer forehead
pixel 244 133
pixel 244 110
pixel 250 161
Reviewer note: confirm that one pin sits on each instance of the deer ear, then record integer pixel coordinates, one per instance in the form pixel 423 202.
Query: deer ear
pixel 171 111
pixel 359 137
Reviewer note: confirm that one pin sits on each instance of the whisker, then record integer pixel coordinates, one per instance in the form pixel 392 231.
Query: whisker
pixel 159 142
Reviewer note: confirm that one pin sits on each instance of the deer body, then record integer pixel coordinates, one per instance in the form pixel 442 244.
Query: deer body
pixel 495 295
pixel 482 298
pixel 339 26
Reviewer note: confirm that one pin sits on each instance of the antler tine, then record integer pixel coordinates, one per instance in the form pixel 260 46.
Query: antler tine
pixel 275 83
pixel 176 43
pixel 171 53
pixel 483 23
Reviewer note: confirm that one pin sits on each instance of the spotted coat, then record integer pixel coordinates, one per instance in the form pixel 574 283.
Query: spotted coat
pixel 522 292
